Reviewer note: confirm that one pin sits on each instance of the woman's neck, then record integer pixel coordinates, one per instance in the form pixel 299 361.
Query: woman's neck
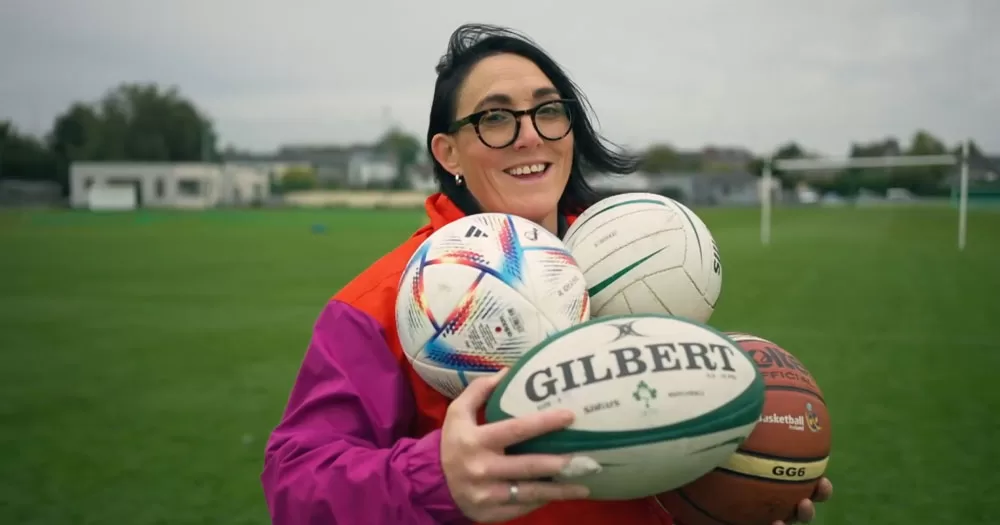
pixel 551 223
pixel 468 204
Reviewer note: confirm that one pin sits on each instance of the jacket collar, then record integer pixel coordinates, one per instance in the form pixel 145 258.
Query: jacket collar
pixel 441 211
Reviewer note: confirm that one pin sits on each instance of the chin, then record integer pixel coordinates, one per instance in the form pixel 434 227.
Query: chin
pixel 535 206
pixel 535 197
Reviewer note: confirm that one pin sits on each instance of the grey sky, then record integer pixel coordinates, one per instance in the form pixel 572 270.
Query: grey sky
pixel 737 72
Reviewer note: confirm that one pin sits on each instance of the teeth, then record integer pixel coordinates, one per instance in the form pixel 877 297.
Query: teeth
pixel 525 170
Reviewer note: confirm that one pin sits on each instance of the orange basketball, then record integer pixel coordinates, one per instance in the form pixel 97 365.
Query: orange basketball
pixel 778 465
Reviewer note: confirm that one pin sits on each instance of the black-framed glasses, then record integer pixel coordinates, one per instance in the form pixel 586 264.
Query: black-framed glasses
pixel 499 128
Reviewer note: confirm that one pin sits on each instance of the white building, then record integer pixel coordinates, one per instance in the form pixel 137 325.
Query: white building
pixel 367 168
pixel 165 185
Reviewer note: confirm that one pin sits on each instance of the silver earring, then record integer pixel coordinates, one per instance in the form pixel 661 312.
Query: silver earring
pixel 459 179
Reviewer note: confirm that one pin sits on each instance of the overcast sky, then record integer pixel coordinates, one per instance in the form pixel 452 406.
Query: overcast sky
pixel 753 73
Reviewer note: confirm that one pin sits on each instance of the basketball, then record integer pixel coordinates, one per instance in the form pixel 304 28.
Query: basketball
pixel 479 293
pixel 780 463
pixel 644 253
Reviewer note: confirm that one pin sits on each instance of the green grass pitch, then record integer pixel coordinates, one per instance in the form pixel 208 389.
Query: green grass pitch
pixel 146 356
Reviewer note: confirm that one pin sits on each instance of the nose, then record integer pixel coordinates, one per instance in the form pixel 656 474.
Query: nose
pixel 527 136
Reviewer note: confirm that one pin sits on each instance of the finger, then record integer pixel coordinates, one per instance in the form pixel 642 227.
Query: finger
pixel 537 492
pixel 806 511
pixel 526 467
pixel 511 431
pixel 824 490
pixel 541 492
pixel 476 394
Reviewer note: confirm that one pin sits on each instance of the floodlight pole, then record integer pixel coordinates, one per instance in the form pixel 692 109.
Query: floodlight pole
pixel 963 196
pixel 765 204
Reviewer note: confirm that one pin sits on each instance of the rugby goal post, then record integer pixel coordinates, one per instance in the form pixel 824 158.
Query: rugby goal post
pixel 866 162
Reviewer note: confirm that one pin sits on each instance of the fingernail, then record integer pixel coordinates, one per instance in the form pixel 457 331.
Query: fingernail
pixel 580 466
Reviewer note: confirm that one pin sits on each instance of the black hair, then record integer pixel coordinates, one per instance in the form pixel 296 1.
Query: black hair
pixel 471 43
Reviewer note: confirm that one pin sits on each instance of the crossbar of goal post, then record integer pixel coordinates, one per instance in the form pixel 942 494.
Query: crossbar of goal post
pixel 867 162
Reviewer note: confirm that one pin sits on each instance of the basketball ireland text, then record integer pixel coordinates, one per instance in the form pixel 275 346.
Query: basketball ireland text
pixel 665 356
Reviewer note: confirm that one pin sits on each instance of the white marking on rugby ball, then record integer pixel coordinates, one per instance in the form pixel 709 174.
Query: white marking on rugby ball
pixel 631 373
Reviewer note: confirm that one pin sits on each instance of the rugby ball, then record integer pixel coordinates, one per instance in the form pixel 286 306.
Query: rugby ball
pixel 659 401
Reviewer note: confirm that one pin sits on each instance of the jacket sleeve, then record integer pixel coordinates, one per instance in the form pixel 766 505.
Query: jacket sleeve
pixel 340 454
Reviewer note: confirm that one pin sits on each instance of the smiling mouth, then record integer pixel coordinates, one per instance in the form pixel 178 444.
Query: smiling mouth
pixel 529 171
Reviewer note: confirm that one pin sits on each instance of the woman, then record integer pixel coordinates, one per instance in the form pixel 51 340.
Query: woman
pixel 364 440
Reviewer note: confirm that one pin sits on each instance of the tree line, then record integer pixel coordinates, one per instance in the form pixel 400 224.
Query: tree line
pixel 920 180
pixel 132 122
pixel 149 123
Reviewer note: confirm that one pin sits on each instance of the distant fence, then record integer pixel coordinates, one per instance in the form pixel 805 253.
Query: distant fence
pixel 30 194
pixel 355 199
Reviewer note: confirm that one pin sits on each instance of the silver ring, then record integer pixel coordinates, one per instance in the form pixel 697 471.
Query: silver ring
pixel 513 493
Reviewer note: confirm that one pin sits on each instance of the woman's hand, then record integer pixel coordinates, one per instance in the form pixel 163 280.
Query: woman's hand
pixel 487 485
pixel 806 511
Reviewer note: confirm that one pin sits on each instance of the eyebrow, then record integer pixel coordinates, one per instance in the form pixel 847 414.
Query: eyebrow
pixel 500 98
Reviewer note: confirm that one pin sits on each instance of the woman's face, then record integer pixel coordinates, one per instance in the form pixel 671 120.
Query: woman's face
pixel 527 177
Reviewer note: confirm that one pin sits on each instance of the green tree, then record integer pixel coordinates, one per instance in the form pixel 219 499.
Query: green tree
pixel 74 131
pixel 788 150
pixel 297 178
pixel 23 156
pixel 851 181
pixel 921 180
pixel 134 122
pixel 659 158
pixel 404 148
pixel 974 149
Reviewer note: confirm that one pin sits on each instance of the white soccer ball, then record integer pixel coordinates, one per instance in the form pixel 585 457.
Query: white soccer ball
pixel 482 291
pixel 644 253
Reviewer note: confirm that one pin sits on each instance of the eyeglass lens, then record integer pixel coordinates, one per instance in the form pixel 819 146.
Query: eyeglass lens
pixel 498 127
